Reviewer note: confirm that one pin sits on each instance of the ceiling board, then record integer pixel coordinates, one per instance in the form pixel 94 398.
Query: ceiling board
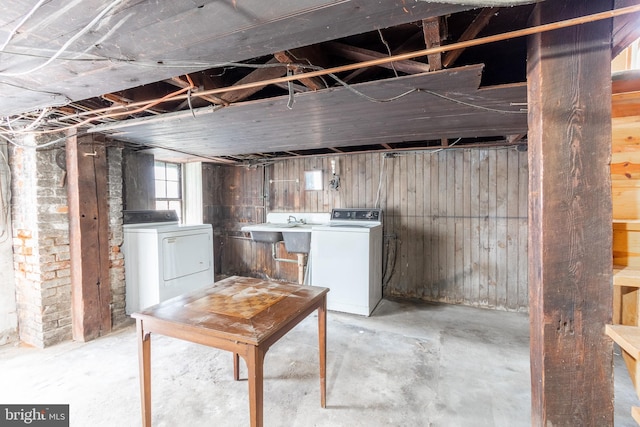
pixel 145 32
pixel 337 117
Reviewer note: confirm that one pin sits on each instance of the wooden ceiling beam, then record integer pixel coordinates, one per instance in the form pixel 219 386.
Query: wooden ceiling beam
pixel 431 31
pixel 257 75
pixel 313 83
pixel 477 25
pixel 178 82
pixel 121 100
pixel 360 54
pixel 400 49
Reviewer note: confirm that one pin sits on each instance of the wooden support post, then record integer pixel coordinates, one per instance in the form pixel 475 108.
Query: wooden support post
pixel 88 238
pixel 570 279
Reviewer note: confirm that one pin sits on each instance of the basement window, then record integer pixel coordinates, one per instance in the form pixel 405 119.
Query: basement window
pixel 168 177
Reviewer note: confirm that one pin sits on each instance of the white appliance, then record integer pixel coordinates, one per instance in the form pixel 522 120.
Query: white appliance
pixel 164 259
pixel 346 256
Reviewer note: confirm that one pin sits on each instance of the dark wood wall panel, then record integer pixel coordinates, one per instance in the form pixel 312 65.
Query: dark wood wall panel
pixel 455 221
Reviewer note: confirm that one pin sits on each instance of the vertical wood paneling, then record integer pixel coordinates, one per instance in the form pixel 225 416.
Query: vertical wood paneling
pixel 455 220
pixel 512 205
pixel 458 271
pixel 466 226
pixel 502 168
pixel 476 246
pixel 523 230
pixel 435 227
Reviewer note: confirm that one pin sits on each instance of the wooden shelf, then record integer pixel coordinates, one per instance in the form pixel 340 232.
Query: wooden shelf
pixel 626 276
pixel 627 337
pixel 635 413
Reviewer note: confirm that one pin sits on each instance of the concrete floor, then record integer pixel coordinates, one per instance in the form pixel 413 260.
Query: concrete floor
pixel 407 365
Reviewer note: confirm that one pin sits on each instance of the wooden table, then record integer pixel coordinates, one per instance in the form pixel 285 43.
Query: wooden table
pixel 238 314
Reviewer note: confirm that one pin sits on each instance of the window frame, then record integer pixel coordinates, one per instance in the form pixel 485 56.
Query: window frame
pixel 164 180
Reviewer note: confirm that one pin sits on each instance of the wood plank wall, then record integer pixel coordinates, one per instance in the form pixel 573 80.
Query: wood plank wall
pixel 455 221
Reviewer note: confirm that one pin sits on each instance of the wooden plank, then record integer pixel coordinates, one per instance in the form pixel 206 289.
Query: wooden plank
pixel 627 337
pixel 466 226
pixel 313 83
pixel 442 227
pixel 435 226
pixel 404 230
pixel 420 258
pixel 629 308
pixel 626 276
pixel 502 219
pixel 625 28
pixel 412 232
pixel 475 227
pixel 477 25
pixel 492 259
pixel 635 414
pixel 483 260
pixel 626 202
pixel 359 54
pixel 625 104
pixel 570 218
pixel 458 220
pixel 88 237
pixel 256 75
pixel 625 134
pixel 431 31
pixel 512 229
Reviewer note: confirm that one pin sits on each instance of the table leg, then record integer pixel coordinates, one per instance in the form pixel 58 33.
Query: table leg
pixel 255 362
pixel 236 366
pixel 322 348
pixel 144 358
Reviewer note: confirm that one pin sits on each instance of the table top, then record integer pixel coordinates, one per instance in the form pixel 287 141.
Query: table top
pixel 237 308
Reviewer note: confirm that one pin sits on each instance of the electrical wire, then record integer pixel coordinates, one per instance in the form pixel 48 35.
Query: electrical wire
pixel 65 46
pixel 48 144
pixel 384 42
pixel 468 104
pixel 21 23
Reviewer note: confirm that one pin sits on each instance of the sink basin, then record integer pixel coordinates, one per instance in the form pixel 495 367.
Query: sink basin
pixel 296 236
pixel 297 242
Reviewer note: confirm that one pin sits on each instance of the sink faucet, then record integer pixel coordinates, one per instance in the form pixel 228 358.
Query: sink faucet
pixel 293 220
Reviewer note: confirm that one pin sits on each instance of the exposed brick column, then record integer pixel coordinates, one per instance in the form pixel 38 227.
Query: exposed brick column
pixel 116 259
pixel 41 244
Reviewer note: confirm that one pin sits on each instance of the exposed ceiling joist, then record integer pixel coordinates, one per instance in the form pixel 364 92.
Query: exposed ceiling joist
pixel 336 117
pixel 359 54
pixel 478 24
pixel 432 38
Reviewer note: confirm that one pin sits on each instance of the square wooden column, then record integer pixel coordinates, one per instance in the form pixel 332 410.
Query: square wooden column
pixel 570 258
pixel 88 237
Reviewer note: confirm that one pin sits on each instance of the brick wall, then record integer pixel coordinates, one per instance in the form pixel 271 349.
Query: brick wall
pixel 41 242
pixel 40 245
pixel 116 258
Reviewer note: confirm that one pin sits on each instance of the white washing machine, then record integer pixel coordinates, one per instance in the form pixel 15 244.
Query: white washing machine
pixel 164 259
pixel 346 256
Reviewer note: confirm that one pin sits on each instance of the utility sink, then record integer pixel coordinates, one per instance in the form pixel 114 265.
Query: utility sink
pixel 294 228
pixel 267 232
pixel 296 236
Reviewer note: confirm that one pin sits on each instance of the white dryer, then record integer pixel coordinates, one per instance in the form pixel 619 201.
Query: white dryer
pixel 164 259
